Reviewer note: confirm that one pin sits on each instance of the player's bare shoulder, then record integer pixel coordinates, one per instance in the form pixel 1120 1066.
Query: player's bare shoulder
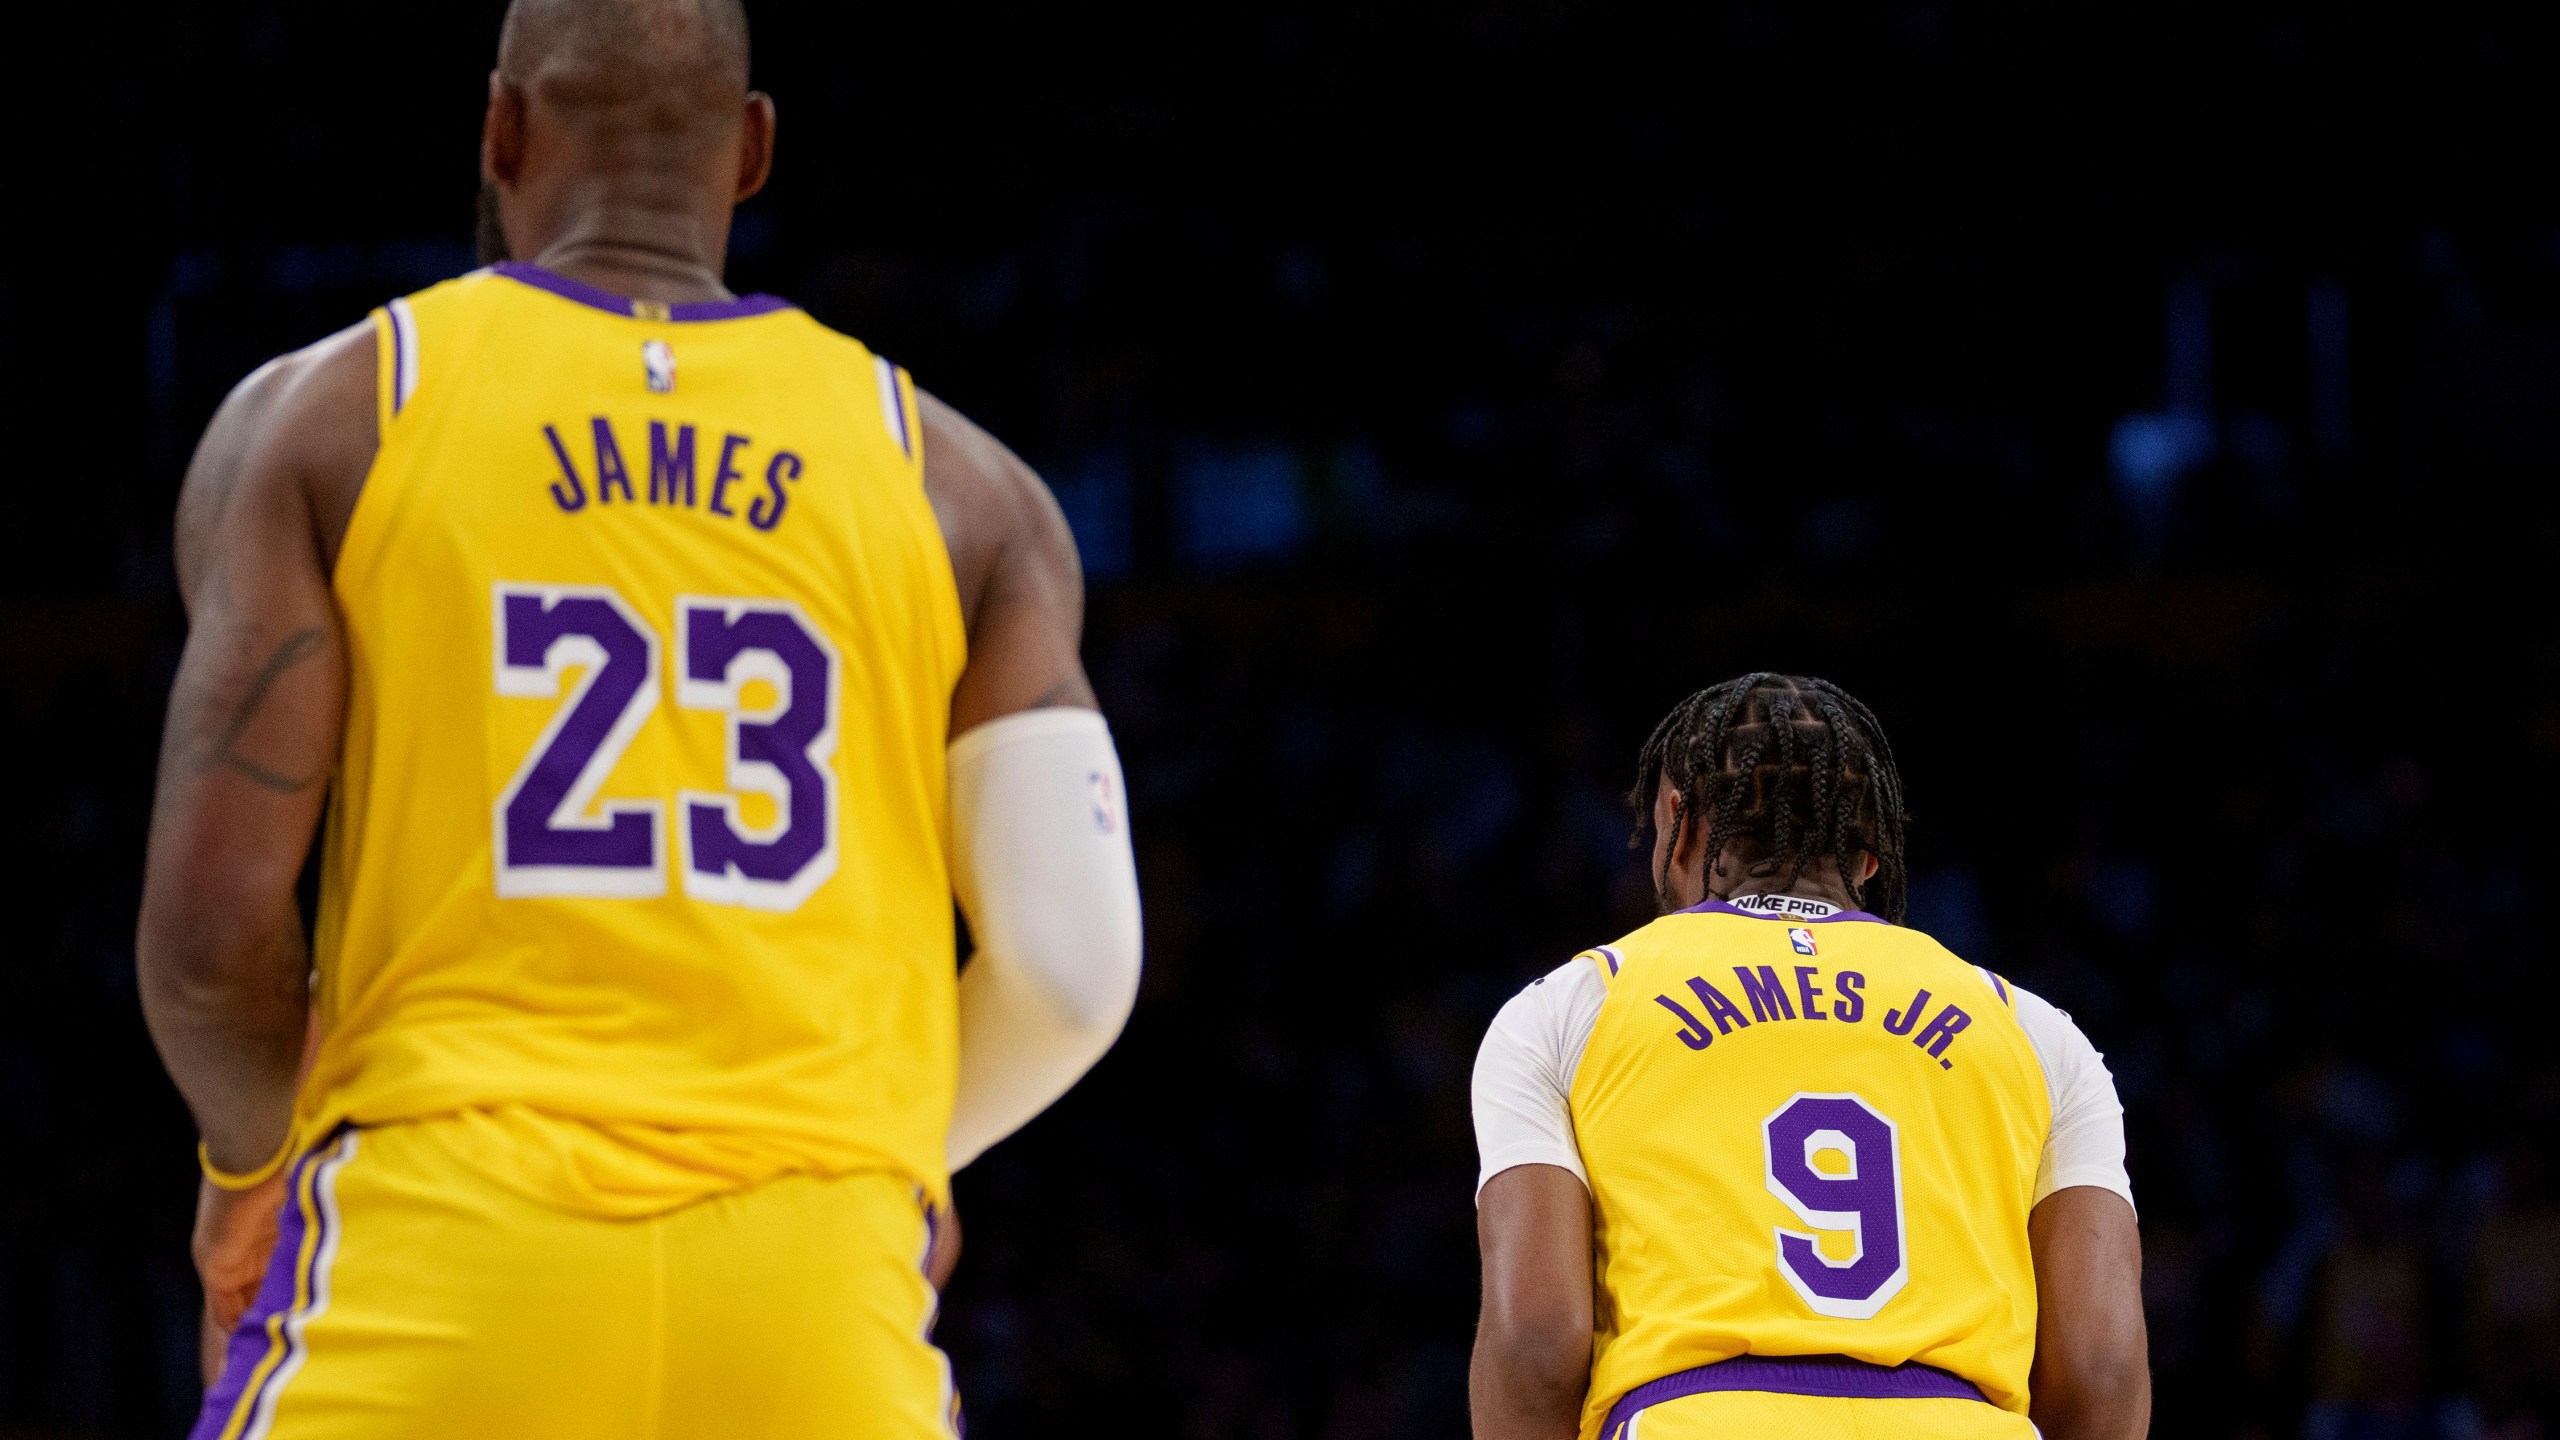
pixel 299 430
pixel 1014 561
pixel 996 513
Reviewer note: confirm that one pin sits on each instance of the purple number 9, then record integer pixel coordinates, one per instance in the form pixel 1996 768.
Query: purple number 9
pixel 1859 1191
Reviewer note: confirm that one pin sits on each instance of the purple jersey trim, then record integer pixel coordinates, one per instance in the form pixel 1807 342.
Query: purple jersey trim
pixel 1718 907
pixel 1832 1376
pixel 605 300
pixel 249 1342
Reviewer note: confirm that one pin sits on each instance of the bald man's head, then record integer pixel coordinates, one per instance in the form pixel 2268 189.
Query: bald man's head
pixel 621 128
pixel 630 68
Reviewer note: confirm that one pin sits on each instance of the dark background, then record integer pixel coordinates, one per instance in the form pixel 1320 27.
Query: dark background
pixel 2148 408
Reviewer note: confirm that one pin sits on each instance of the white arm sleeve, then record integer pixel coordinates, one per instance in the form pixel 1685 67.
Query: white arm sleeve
pixel 1041 860
pixel 1524 1073
pixel 2086 1144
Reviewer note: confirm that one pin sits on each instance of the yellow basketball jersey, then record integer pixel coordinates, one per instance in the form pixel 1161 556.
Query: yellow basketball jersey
pixel 1807 1137
pixel 635 874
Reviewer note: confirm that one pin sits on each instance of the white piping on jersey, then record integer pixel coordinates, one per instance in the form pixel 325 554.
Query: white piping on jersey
pixel 404 354
pixel 893 408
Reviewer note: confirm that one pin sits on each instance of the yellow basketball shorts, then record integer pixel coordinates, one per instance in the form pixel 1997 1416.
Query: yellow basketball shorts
pixel 1810 1397
pixel 411 1296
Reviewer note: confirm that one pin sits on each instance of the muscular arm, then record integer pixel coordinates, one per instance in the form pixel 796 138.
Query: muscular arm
pixel 1532 1361
pixel 1021 588
pixel 251 737
pixel 2092 1376
pixel 1040 840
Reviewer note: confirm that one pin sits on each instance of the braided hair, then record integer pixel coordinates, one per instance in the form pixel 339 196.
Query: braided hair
pixel 1792 764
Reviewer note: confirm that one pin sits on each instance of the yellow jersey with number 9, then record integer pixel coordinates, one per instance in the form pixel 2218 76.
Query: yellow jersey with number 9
pixel 635 876
pixel 1807 1137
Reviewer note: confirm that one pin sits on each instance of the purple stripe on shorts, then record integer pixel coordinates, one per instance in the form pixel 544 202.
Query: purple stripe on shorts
pixel 275 1296
pixel 602 299
pixel 933 1222
pixel 1718 907
pixel 1833 1376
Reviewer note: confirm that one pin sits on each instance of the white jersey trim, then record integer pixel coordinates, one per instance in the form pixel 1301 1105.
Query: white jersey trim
pixel 893 405
pixel 404 354
pixel 1523 1085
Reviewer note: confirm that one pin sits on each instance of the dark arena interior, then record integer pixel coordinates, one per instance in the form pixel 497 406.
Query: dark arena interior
pixel 2152 410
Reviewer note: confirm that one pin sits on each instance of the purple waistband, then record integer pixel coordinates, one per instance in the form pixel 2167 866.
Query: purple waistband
pixel 1836 1376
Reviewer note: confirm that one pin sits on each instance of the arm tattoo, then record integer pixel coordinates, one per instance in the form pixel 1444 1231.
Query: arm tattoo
pixel 1058 694
pixel 299 646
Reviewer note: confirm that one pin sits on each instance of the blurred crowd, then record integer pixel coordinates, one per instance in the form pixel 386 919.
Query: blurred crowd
pixel 2178 494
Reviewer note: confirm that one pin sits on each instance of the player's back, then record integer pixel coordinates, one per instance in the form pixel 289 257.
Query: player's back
pixel 637 855
pixel 1807 1133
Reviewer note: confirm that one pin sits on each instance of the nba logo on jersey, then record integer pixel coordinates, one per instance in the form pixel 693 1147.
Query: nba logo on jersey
pixel 658 359
pixel 1802 939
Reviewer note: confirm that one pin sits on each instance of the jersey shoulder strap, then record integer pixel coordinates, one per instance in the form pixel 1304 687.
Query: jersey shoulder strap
pixel 416 331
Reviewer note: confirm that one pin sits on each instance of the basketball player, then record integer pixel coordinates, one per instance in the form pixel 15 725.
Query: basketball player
pixel 628 626
pixel 1774 1165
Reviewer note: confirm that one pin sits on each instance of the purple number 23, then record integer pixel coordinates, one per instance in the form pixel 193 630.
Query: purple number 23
pixel 553 838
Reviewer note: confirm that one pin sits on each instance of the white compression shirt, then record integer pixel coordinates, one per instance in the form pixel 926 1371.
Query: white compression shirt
pixel 1524 1076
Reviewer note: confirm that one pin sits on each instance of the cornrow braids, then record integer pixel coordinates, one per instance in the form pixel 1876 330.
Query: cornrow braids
pixel 1788 762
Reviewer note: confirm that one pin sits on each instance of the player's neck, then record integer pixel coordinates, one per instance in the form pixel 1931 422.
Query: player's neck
pixel 1732 882
pixel 640 246
pixel 1793 892
pixel 636 271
